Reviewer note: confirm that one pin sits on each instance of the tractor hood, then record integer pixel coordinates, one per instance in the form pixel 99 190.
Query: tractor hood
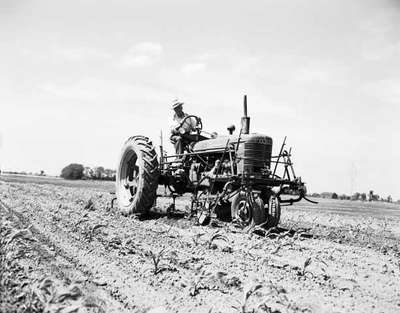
pixel 222 141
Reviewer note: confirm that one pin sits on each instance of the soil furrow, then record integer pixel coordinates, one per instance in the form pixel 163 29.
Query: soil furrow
pixel 49 260
pixel 195 273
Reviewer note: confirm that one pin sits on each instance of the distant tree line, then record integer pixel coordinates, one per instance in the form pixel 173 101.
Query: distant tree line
pixel 99 172
pixel 355 197
pixel 41 173
pixel 78 171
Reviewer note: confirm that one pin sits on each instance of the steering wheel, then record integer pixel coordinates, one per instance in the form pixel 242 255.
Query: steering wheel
pixel 198 127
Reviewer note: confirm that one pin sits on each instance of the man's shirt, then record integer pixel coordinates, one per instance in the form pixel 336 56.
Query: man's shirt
pixel 189 124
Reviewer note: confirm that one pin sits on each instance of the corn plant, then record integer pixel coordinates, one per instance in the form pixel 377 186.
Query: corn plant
pixel 196 239
pixel 303 270
pixel 25 234
pixel 89 232
pixel 158 258
pixel 197 285
pixel 55 298
pixel 216 236
pixel 247 293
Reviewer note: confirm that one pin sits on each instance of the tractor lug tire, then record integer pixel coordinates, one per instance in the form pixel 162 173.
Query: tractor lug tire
pixel 138 161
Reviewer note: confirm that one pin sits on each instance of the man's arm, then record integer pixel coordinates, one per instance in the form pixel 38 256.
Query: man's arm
pixel 174 130
pixel 174 126
pixel 189 124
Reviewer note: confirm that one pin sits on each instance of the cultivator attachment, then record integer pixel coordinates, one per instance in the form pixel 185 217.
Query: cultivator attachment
pixel 290 184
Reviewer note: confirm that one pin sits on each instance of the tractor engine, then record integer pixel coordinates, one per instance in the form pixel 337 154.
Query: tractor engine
pixel 245 155
pixel 254 156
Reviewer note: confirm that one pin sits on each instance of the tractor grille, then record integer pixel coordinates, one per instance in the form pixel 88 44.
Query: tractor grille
pixel 257 156
pixel 254 156
pixel 257 153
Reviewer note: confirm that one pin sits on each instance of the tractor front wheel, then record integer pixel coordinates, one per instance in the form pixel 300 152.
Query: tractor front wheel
pixel 137 176
pixel 246 211
pixel 274 211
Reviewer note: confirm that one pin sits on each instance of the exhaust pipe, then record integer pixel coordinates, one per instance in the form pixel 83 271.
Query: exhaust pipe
pixel 245 119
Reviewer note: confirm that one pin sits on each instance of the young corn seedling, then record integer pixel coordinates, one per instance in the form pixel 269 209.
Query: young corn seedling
pixel 196 239
pixel 25 234
pixel 248 292
pixel 198 284
pixel 158 258
pixel 216 236
pixel 90 231
pixel 303 270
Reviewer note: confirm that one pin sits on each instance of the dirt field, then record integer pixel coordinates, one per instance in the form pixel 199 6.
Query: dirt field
pixel 64 249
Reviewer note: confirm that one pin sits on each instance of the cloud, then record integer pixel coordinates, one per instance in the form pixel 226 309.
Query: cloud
pixel 244 64
pixel 221 60
pixel 386 90
pixel 193 67
pixel 82 90
pixel 142 54
pixel 81 54
pixel 311 75
pixel 382 22
pixel 207 56
pixel 380 40
pixel 65 53
pixel 320 72
pixel 199 62
pixel 95 90
pixel 382 52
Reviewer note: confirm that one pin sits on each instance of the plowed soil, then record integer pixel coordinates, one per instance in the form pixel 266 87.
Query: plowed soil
pixel 336 256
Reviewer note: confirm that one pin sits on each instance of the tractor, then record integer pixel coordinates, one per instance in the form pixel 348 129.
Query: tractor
pixel 233 176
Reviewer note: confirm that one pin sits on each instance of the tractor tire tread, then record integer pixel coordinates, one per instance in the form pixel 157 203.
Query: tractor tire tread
pixel 146 193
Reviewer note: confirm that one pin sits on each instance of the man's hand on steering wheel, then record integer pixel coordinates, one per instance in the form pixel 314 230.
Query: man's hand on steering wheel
pixel 198 127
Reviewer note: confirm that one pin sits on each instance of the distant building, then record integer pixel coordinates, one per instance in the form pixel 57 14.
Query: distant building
pixel 326 195
pixel 88 172
pixel 372 196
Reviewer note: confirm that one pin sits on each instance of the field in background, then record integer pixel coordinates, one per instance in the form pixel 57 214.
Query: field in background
pixel 57 181
pixel 348 207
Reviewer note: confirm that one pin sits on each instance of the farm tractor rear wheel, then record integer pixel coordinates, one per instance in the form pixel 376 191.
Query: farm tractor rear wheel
pixel 137 176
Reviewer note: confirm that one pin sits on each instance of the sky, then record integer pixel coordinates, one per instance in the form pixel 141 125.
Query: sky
pixel 77 78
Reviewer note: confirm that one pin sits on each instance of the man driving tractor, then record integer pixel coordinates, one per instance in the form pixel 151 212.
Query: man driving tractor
pixel 183 124
pixel 219 171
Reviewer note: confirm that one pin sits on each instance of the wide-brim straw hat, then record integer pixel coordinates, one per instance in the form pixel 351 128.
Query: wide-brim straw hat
pixel 176 104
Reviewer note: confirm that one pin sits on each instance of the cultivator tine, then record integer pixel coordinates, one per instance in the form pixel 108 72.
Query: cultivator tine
pixel 112 202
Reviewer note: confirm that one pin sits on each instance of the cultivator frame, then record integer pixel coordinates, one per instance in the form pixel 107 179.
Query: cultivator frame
pixel 248 184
